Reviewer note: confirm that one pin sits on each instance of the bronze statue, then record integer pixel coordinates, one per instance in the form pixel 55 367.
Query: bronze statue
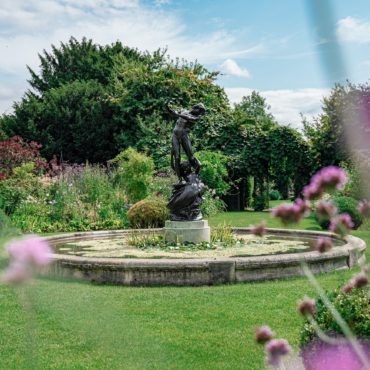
pixel 187 195
pixel 180 137
pixel 186 199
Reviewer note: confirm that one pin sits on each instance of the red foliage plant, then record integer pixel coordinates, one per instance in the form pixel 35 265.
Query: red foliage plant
pixel 15 152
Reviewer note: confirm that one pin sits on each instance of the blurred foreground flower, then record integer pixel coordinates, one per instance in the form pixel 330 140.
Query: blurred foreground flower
pixel 259 230
pixel 324 356
pixel 275 349
pixel 341 224
pixel 324 244
pixel 291 213
pixel 325 210
pixel 364 208
pixel 26 255
pixel 307 306
pixel 360 280
pixel 325 180
pixel 264 334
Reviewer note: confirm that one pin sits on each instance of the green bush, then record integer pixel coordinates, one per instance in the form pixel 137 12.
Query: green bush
pixel 83 198
pixel 344 205
pixel 214 171
pixel 148 213
pixel 134 174
pixel 211 205
pixel 260 202
pixel 353 307
pixel 275 194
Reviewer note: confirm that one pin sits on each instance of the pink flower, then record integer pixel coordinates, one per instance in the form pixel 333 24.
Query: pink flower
pixel 347 288
pixel 341 224
pixel 17 273
pixel 303 206
pixel 31 250
pixel 25 255
pixel 323 244
pixel 323 356
pixel 327 179
pixel 307 306
pixel 312 191
pixel 259 230
pixel 264 334
pixel 325 210
pixel 360 280
pixel 291 213
pixel 364 208
pixel 275 349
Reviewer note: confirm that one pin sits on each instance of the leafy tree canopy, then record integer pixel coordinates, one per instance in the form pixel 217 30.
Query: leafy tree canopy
pixel 89 102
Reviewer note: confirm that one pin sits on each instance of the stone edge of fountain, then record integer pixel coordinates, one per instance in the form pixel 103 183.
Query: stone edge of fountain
pixel 200 271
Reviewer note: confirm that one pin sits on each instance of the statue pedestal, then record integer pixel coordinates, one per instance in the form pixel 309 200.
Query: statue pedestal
pixel 187 231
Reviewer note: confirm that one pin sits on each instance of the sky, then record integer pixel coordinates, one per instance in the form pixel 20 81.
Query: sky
pixel 288 50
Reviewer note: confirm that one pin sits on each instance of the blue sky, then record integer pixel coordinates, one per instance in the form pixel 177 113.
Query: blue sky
pixel 267 45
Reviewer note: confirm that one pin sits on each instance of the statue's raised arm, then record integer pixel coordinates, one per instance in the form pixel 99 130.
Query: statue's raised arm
pixel 191 116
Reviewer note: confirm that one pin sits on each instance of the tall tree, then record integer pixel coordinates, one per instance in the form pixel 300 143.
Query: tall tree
pixel 89 102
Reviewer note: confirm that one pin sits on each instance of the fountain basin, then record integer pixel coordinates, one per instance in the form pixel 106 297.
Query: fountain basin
pixel 197 269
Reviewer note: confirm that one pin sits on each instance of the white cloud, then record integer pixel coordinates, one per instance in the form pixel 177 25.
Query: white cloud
pixel 230 67
pixel 161 2
pixel 8 94
pixel 26 28
pixel 286 105
pixel 355 30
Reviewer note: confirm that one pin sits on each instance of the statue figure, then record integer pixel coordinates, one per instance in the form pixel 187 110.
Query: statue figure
pixel 186 196
pixel 180 137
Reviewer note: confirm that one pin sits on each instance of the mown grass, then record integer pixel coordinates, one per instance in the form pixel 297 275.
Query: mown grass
pixel 75 325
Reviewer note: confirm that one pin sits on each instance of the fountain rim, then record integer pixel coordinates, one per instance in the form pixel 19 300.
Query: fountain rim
pixel 200 271
pixel 352 244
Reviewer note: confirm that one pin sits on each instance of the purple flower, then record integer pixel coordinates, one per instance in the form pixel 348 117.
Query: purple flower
pixel 327 179
pixel 307 306
pixel 360 280
pixel 275 349
pixel 341 224
pixel 312 191
pixel 303 206
pixel 259 230
pixel 325 210
pixel 324 244
pixel 347 288
pixel 364 208
pixel 25 255
pixel 31 250
pixel 17 273
pixel 264 334
pixel 323 356
pixel 291 213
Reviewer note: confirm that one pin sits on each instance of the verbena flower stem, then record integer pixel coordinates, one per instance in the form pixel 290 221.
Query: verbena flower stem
pixel 338 318
pixel 325 338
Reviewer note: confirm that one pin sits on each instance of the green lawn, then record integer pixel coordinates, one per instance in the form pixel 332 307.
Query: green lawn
pixel 250 218
pixel 77 325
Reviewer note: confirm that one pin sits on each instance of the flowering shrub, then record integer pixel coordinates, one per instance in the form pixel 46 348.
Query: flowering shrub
pixel 354 309
pixel 23 186
pixel 15 152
